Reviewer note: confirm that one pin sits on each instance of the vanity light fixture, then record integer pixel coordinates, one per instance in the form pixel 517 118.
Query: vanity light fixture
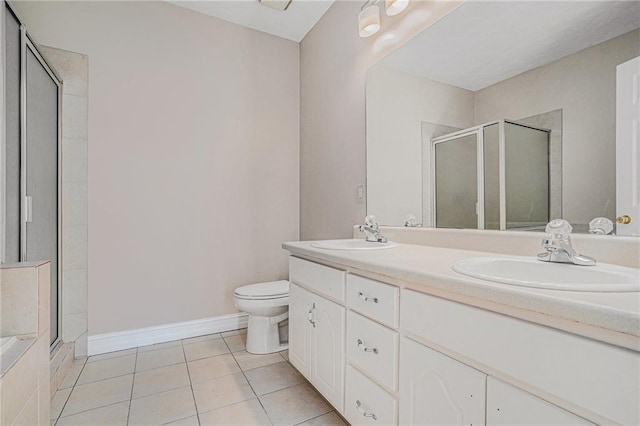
pixel 393 7
pixel 369 19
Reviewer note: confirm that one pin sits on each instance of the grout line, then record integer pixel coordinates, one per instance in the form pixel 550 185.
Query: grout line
pixel 91 409
pixel 250 385
pixel 72 389
pixel 195 404
pixel 133 381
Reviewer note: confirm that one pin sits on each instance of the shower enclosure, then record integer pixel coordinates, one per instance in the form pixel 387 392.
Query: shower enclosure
pixel 492 176
pixel 30 158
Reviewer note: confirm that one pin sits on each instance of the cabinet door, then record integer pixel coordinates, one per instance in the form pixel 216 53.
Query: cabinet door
pixel 328 360
pixel 510 406
pixel 300 311
pixel 437 390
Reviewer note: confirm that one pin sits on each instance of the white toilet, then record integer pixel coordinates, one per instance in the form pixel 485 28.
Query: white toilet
pixel 267 305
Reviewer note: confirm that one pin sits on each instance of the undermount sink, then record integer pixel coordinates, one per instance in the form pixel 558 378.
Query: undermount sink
pixel 530 272
pixel 352 245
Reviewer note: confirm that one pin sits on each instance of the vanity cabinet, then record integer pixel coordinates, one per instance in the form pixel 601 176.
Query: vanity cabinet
pixel 438 390
pixel 510 406
pixel 317 330
pixel 384 355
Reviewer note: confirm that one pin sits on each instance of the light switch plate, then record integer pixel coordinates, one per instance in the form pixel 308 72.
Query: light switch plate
pixel 277 4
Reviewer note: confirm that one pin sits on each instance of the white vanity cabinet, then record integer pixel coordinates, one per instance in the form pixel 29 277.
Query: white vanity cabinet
pixel 317 328
pixel 438 390
pixel 386 356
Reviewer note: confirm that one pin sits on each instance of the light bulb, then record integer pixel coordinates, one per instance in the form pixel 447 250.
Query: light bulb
pixel 369 21
pixel 393 7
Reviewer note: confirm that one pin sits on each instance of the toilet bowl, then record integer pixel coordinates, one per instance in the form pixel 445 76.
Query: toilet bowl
pixel 267 305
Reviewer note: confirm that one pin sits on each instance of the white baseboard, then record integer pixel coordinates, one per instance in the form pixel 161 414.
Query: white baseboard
pixel 110 342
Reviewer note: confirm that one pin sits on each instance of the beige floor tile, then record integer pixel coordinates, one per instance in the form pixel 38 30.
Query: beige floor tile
pixel 273 377
pixel 160 380
pixel 159 358
pixel 72 375
pixel 162 408
pixel 222 391
pixel 109 355
pixel 243 413
pixel 211 368
pixel 285 355
pixel 329 419
pixel 204 338
pixel 234 332
pixel 205 349
pixel 294 405
pixel 106 369
pixel 189 421
pixel 236 342
pixel 98 394
pixel 111 415
pixel 58 401
pixel 249 361
pixel 157 346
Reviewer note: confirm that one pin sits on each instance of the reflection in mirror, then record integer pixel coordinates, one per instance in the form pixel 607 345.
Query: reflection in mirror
pixel 494 176
pixel 502 115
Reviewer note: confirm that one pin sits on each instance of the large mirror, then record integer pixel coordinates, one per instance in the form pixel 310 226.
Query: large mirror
pixel 502 115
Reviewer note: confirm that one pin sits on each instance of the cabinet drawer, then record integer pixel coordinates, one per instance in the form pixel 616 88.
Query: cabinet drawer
pixel 366 403
pixel 373 348
pixel 319 278
pixel 374 299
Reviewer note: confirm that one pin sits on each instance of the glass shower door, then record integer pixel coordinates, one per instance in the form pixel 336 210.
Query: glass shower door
pixel 456 182
pixel 40 238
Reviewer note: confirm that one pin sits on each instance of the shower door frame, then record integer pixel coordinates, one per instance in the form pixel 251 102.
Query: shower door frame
pixel 477 131
pixel 502 183
pixel 28 42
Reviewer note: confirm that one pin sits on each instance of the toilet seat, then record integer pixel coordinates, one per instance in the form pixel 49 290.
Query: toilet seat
pixel 263 291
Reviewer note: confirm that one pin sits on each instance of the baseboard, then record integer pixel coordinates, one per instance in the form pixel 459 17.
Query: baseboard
pixel 110 342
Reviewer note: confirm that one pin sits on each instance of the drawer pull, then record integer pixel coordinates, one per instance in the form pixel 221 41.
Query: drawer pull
pixel 310 316
pixel 363 412
pixel 363 348
pixel 367 298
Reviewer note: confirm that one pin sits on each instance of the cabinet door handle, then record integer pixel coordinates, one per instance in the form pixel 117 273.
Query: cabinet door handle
pixel 363 412
pixel 363 348
pixel 310 316
pixel 362 296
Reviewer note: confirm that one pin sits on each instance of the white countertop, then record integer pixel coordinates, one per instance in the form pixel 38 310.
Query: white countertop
pixel 609 317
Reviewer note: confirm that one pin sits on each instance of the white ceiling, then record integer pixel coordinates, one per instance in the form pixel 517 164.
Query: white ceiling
pixel 482 43
pixel 293 23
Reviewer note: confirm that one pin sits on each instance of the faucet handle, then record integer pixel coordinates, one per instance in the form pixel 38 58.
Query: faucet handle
pixel 559 228
pixel 371 222
pixel 600 226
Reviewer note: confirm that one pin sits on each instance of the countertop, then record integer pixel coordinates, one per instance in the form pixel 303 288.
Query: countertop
pixel 610 317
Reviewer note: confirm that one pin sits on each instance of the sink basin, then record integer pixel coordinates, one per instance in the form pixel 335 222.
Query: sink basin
pixel 352 245
pixel 530 272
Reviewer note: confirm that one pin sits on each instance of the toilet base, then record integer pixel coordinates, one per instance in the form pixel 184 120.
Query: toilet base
pixel 263 336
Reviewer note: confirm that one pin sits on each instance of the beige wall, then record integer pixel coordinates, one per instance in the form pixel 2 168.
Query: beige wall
pixel 397 104
pixel 584 86
pixel 333 66
pixel 193 156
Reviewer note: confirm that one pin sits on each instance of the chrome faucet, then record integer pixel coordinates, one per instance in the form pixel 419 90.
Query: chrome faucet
pixel 372 230
pixel 558 246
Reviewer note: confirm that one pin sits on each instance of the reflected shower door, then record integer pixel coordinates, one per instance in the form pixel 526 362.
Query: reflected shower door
pixel 456 182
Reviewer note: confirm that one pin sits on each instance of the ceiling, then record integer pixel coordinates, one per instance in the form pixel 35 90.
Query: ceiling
pixel 293 23
pixel 482 43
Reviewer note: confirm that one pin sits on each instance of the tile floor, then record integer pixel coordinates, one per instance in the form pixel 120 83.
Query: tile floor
pixel 208 380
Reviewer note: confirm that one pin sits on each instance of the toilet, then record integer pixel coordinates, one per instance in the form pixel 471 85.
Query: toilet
pixel 267 305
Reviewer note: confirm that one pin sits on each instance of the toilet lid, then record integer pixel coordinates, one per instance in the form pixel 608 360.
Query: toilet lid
pixel 270 290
